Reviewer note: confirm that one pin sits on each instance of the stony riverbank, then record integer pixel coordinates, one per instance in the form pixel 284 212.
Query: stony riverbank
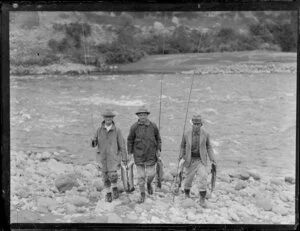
pixel 44 189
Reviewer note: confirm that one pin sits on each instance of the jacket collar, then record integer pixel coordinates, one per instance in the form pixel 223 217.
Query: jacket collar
pixel 112 127
pixel 147 122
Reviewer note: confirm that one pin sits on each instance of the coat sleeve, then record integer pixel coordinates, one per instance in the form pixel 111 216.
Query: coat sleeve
pixel 130 139
pixel 182 147
pixel 157 137
pixel 210 149
pixel 121 145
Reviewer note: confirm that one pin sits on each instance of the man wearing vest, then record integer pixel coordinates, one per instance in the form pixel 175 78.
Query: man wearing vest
pixel 195 148
pixel 144 143
pixel 111 150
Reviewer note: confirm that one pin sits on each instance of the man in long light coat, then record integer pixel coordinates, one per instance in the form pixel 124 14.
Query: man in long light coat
pixel 111 150
pixel 195 149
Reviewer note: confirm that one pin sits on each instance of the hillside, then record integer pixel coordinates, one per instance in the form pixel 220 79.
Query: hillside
pixel 108 38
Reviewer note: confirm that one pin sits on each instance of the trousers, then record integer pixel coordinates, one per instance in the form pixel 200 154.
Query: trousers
pixel 198 170
pixel 145 173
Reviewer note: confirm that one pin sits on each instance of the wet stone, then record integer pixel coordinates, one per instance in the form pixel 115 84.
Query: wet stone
pixel 168 177
pixel 289 179
pixel 264 203
pixel 66 182
pixel 114 218
pixel 240 185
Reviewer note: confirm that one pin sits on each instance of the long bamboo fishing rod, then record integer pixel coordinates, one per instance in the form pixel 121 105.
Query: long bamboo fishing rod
pixel 186 113
pixel 187 109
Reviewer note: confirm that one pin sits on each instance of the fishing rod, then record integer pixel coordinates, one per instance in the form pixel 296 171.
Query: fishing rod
pixel 186 113
pixel 187 109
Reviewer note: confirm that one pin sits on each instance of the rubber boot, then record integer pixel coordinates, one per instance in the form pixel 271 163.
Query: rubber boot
pixel 108 197
pixel 115 193
pixel 202 198
pixel 142 198
pixel 149 188
pixel 187 193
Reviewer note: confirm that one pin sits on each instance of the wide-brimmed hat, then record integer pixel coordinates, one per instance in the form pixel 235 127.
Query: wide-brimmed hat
pixel 142 109
pixel 197 119
pixel 108 113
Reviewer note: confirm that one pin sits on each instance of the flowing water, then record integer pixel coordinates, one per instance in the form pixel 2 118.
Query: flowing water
pixel 251 117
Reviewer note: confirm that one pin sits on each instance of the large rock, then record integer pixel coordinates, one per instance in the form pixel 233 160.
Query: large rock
pixel 276 181
pixel 286 196
pixel 114 218
pixel 57 167
pixel 264 203
pixel 281 210
pixel 98 184
pixel 254 174
pixel 245 176
pixel 240 185
pixel 66 182
pixel 188 203
pixel 289 179
pixel 168 177
pixel 77 200
pixel 45 156
pixel 233 215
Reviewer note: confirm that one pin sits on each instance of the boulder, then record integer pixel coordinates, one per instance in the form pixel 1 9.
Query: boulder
pixel 77 200
pixel 233 215
pixel 56 166
pixel 276 181
pixel 168 177
pixel 188 203
pixel 289 179
pixel 66 182
pixel 281 210
pixel 70 208
pixel 98 184
pixel 244 176
pixel 224 178
pixel 114 218
pixel 240 185
pixel 155 219
pixel 254 174
pixel 286 196
pixel 45 156
pixel 264 203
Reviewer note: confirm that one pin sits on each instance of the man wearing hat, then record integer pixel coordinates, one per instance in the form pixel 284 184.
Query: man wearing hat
pixel 144 143
pixel 111 150
pixel 195 149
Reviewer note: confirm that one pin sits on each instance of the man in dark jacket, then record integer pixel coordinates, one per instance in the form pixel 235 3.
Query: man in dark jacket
pixel 195 150
pixel 111 150
pixel 144 143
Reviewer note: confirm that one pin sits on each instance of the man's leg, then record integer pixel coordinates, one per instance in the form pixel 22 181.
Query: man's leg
pixel 141 175
pixel 113 178
pixel 107 186
pixel 150 173
pixel 190 174
pixel 202 174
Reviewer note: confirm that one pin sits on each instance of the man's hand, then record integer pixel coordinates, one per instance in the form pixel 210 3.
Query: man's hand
pixel 158 154
pixel 94 143
pixel 214 166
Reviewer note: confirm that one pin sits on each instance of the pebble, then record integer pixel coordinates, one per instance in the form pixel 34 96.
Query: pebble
pixel 245 176
pixel 98 184
pixel 233 215
pixel 285 196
